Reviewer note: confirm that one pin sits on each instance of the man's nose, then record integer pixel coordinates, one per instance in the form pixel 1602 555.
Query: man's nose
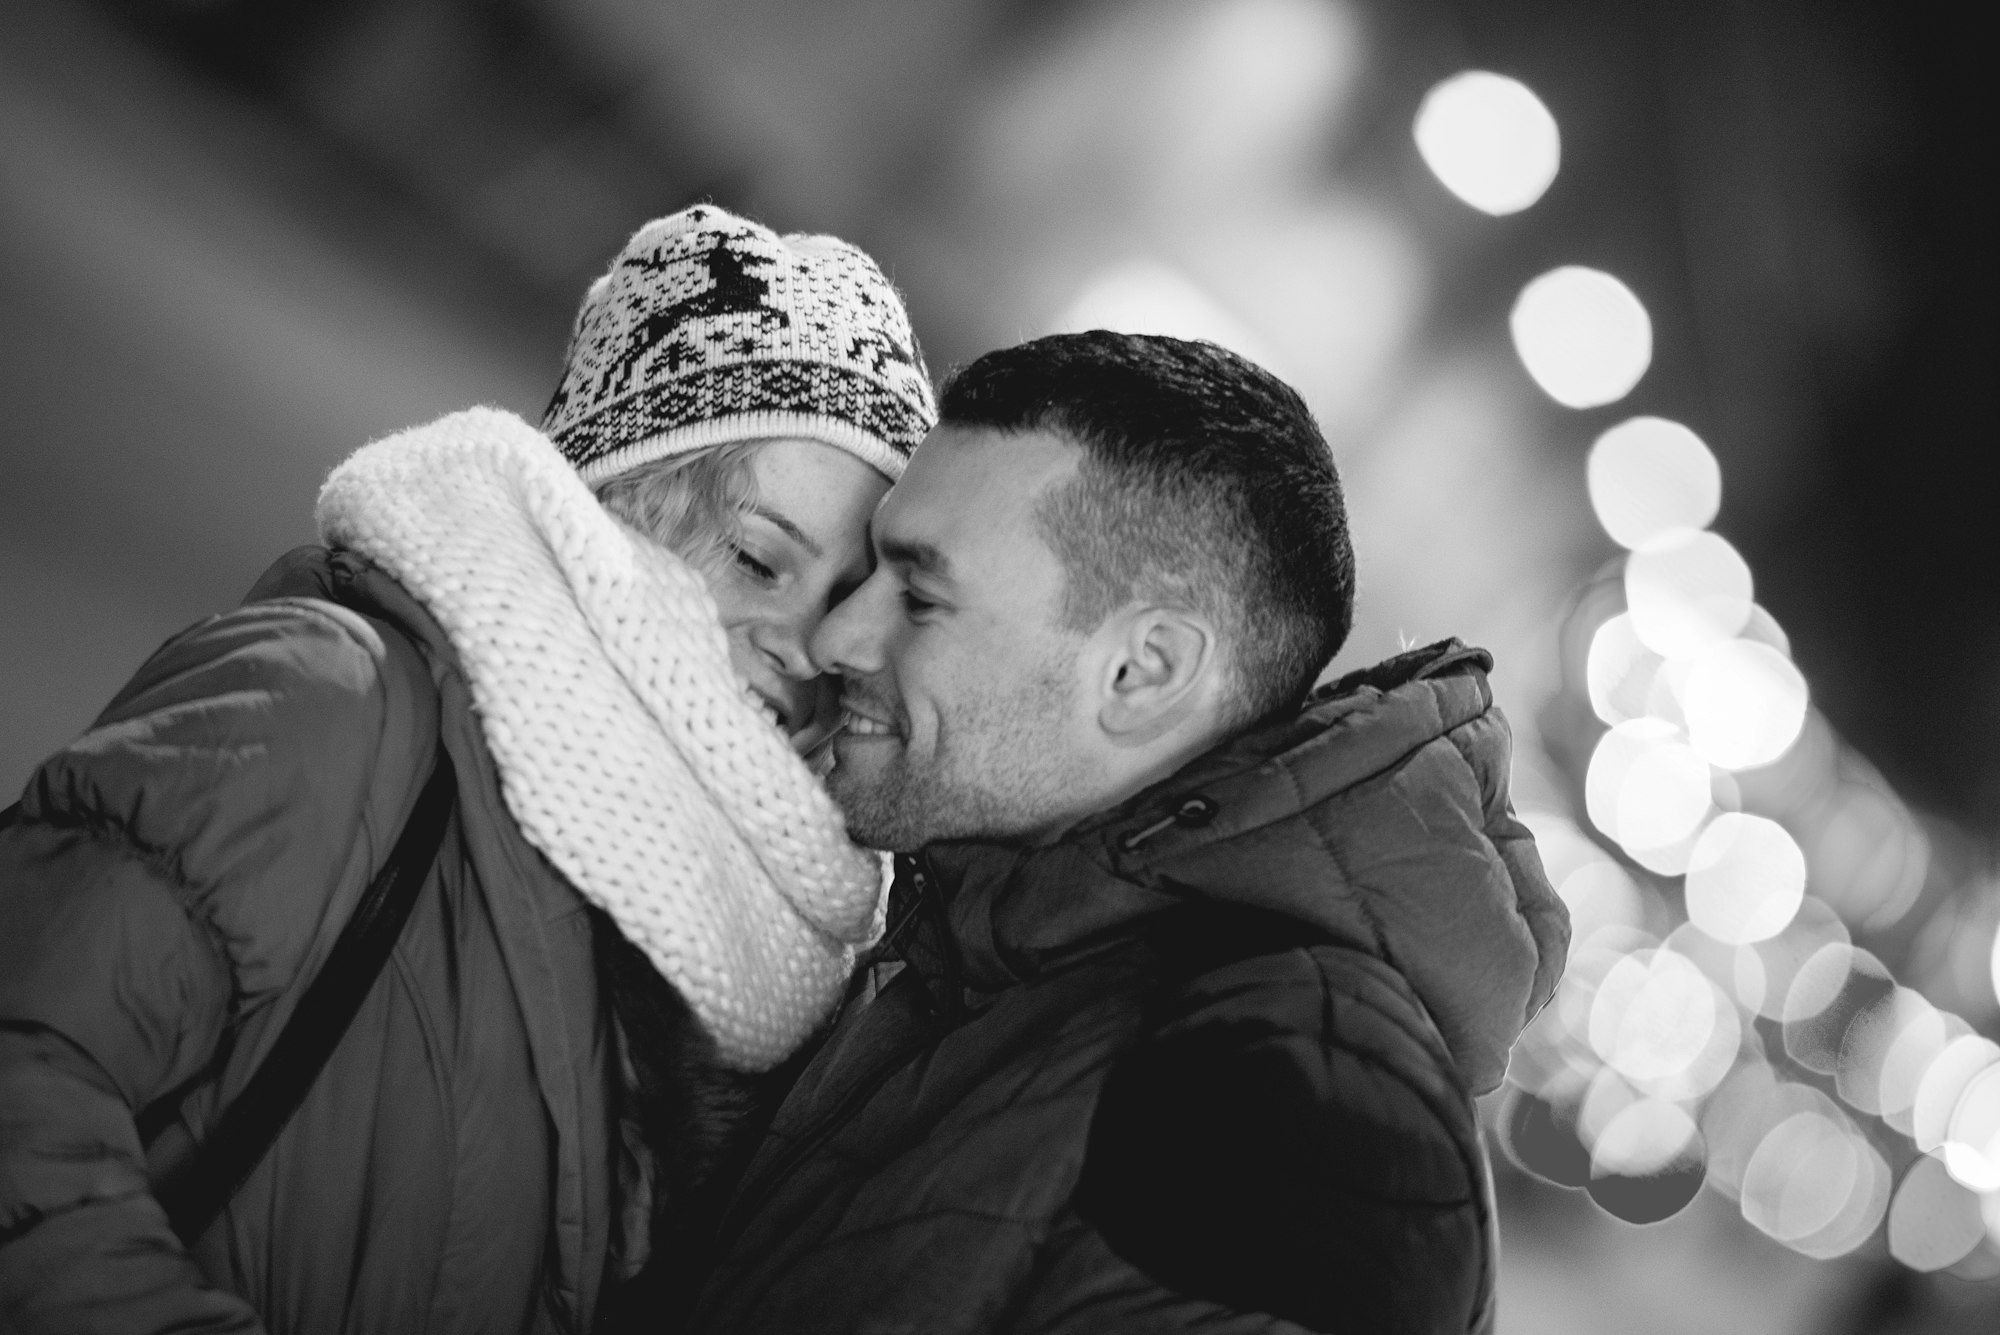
pixel 848 640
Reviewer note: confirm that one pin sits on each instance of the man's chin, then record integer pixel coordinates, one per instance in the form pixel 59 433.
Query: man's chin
pixel 874 802
pixel 882 836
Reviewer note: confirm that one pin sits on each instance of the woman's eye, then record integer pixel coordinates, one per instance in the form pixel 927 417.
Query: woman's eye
pixel 756 568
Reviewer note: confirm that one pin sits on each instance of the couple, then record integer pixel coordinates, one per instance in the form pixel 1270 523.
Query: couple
pixel 1170 1019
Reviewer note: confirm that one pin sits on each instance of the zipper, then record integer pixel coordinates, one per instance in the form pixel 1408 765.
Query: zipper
pixel 1192 812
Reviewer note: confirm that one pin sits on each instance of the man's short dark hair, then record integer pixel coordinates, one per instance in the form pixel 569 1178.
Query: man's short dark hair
pixel 1204 482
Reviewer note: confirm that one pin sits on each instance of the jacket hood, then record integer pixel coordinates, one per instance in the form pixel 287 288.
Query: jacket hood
pixel 1378 813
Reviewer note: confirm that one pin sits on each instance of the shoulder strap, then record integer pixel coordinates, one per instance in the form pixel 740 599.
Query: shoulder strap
pixel 240 1138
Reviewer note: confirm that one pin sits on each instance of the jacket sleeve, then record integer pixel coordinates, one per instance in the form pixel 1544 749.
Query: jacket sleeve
pixel 164 878
pixel 1292 1138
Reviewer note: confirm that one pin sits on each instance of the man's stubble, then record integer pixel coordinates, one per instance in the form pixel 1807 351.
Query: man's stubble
pixel 1004 768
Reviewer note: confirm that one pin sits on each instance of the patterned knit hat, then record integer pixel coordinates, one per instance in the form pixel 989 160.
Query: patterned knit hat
pixel 711 328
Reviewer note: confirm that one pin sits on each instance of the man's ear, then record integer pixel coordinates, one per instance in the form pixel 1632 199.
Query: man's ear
pixel 1161 671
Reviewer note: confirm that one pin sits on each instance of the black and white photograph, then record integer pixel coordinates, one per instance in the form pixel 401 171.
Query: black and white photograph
pixel 997 667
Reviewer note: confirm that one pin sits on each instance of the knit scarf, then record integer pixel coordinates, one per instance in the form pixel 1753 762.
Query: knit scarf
pixel 628 750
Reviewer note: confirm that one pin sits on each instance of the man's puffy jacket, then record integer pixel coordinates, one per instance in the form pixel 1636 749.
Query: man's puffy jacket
pixel 1204 1064
pixel 166 884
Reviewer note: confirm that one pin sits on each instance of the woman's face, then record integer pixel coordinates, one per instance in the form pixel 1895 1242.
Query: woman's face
pixel 805 547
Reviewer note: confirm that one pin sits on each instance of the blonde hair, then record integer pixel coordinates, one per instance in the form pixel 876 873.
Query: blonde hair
pixel 692 504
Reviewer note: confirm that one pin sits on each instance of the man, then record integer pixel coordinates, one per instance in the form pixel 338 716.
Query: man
pixel 1191 979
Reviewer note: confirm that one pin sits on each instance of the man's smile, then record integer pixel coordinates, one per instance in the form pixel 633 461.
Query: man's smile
pixel 860 723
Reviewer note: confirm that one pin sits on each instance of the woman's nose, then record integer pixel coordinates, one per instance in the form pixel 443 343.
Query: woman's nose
pixel 782 640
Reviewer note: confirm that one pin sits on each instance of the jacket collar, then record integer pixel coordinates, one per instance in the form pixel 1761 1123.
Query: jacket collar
pixel 1378 814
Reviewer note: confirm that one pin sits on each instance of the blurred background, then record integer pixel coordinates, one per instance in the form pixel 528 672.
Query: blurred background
pixel 1650 339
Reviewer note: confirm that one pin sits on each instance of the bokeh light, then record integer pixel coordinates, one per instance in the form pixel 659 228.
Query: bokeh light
pixel 1836 985
pixel 1797 784
pixel 1648 475
pixel 1490 140
pixel 1933 1222
pixel 1611 761
pixel 1653 1015
pixel 1605 1095
pixel 1735 969
pixel 1993 964
pixel 1745 879
pixel 1538 1137
pixel 1972 1138
pixel 1945 1079
pixel 1869 1043
pixel 1803 1175
pixel 1647 1162
pixel 1590 962
pixel 1645 787
pixel 1744 703
pixel 1582 335
pixel 1741 1112
pixel 1711 1064
pixel 1668 859
pixel 1812 1181
pixel 1643 1137
pixel 1715 767
pixel 1749 980
pixel 1601 894
pixel 1811 929
pixel 1916 1045
pixel 1868 855
pixel 1663 695
pixel 1597 891
pixel 1732 1123
pixel 1545 1061
pixel 1664 796
pixel 1763 628
pixel 1863 1214
pixel 1687 590
pixel 1619 671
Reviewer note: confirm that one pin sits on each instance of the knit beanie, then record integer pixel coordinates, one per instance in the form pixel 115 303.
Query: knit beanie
pixel 710 329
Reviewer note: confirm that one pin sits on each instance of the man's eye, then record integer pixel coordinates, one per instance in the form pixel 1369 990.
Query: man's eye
pixel 756 568
pixel 916 605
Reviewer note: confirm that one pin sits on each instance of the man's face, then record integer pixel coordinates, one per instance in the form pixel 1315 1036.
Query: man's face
pixel 965 709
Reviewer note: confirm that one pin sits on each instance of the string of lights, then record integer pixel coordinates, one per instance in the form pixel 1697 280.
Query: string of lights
pixel 1717 1026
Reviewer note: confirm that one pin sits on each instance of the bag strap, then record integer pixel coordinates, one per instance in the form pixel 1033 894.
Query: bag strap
pixel 243 1135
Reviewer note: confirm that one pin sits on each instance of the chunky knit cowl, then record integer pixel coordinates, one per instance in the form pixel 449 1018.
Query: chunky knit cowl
pixel 628 751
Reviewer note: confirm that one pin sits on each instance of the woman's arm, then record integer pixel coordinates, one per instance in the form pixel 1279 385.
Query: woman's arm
pixel 167 875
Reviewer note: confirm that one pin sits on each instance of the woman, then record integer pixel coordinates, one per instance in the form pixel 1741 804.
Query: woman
pixel 641 899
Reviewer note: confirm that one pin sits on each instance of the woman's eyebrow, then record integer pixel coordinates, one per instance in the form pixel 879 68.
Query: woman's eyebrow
pixel 788 528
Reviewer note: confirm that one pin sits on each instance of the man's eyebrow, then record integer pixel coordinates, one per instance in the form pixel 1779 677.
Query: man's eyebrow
pixel 922 555
pixel 788 528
